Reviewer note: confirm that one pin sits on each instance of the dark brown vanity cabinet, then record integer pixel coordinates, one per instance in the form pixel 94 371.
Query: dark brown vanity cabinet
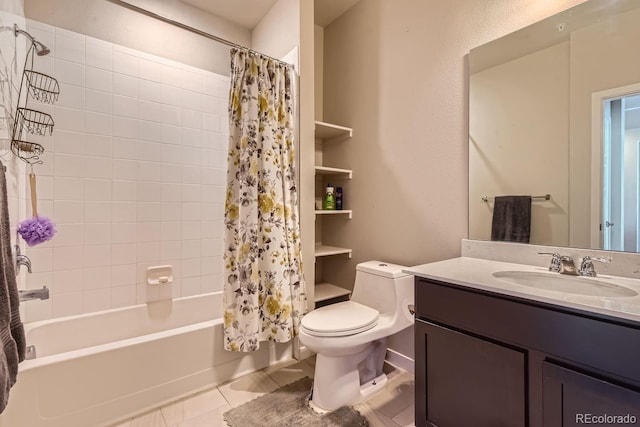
pixel 487 359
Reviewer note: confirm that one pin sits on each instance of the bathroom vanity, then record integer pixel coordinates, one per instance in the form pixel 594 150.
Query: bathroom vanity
pixel 499 344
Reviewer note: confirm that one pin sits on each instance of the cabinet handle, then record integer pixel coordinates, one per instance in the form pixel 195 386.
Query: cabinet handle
pixel 412 309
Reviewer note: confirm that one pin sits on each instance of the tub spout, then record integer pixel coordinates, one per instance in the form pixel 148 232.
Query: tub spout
pixel 31 294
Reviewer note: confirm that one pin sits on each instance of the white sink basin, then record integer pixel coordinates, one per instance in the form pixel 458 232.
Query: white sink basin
pixel 563 283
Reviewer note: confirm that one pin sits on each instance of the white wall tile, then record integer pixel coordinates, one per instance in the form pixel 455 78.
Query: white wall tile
pixel 96 278
pixel 171 231
pixel 67 304
pixel 68 234
pixel 97 234
pixel 191 137
pixel 96 78
pixel 149 171
pixel 98 101
pixel 191 230
pixel 125 106
pixel 171 250
pixel 96 300
pixel 171 95
pixel 124 232
pixel 148 232
pixel 125 169
pixel 125 85
pixel 69 72
pixel 191 100
pixel 149 151
pixel 150 70
pixel 68 188
pixel 150 131
pixel 97 189
pixel 98 167
pixel 69 48
pixel 192 211
pixel 125 64
pixel 151 111
pixel 125 191
pixel 99 54
pixel 192 119
pixel 97 211
pixel 191 249
pixel 124 212
pixel 171 134
pixel 98 145
pixel 68 142
pixel 148 252
pixel 98 123
pixel 171 211
pixel 67 258
pixel 123 296
pixel 149 90
pixel 124 148
pixel 191 80
pixel 97 256
pixel 123 253
pixel 125 127
pixel 124 274
pixel 150 212
pixel 69 119
pixel 68 211
pixel 71 96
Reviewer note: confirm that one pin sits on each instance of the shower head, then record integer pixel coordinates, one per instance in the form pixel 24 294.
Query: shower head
pixel 41 50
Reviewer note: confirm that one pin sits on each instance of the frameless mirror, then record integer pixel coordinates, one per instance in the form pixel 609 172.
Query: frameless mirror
pixel 554 110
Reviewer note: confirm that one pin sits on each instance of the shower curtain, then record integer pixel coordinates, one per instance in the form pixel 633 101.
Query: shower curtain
pixel 264 290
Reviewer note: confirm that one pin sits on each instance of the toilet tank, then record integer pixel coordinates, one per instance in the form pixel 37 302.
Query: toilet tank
pixel 378 285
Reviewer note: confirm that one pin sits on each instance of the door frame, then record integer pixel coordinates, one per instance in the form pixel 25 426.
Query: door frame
pixel 597 134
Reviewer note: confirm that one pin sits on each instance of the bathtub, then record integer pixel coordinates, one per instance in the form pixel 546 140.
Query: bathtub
pixel 101 368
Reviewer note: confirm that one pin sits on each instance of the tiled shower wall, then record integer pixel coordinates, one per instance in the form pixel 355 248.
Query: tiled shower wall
pixel 133 176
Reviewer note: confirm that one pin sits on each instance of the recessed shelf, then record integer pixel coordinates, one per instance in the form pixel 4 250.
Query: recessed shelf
pixel 330 131
pixel 324 250
pixel 325 170
pixel 327 291
pixel 348 212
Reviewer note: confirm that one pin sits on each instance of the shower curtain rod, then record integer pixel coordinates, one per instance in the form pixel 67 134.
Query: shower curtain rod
pixel 189 28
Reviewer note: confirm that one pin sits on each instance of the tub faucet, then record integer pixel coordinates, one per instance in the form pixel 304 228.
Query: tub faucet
pixel 31 294
pixel 22 260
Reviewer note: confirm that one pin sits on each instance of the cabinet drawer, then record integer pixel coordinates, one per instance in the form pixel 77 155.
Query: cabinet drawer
pixel 598 344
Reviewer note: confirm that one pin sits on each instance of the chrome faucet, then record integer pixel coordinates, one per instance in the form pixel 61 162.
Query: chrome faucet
pixel 587 268
pixel 22 260
pixel 31 294
pixel 562 264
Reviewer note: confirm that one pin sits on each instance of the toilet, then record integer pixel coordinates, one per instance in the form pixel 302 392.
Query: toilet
pixel 350 337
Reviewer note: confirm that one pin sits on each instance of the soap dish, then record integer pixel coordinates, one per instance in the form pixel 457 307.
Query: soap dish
pixel 159 274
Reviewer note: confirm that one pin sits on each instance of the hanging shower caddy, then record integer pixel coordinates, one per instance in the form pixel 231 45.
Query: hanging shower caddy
pixel 41 87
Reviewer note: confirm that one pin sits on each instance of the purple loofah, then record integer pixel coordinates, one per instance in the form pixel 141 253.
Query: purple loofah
pixel 36 230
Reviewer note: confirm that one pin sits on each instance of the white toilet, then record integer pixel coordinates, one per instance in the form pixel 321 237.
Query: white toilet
pixel 350 338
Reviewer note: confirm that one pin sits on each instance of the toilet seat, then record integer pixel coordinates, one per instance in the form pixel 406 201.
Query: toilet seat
pixel 340 319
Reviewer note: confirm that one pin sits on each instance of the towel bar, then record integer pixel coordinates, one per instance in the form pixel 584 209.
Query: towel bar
pixel 545 197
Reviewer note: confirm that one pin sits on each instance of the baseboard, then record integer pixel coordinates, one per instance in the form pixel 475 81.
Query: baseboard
pixel 400 360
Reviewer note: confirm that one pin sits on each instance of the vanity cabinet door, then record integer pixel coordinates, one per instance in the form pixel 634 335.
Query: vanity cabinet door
pixel 575 399
pixel 466 381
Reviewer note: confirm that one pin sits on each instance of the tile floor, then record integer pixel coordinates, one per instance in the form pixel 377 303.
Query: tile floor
pixel 391 407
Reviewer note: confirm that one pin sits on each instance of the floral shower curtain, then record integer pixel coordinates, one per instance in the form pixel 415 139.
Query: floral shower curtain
pixel 264 292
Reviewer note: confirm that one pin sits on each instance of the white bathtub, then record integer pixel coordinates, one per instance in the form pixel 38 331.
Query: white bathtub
pixel 100 368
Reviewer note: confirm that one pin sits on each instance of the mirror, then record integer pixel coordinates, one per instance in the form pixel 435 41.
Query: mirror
pixel 552 111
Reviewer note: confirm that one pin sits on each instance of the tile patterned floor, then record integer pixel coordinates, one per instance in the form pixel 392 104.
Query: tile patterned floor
pixel 391 407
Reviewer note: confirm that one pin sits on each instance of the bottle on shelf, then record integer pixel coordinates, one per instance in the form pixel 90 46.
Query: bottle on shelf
pixel 339 198
pixel 329 200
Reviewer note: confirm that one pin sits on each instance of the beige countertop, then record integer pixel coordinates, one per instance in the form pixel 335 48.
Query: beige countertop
pixel 479 274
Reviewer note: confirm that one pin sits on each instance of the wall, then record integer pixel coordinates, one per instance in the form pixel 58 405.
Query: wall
pixel 398 75
pixel 133 176
pixel 514 132
pixel 279 30
pixel 108 21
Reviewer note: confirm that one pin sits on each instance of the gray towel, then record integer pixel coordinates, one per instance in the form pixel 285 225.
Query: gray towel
pixel 11 328
pixel 511 219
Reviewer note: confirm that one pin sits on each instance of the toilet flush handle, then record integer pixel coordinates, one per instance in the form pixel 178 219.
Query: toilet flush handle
pixel 412 309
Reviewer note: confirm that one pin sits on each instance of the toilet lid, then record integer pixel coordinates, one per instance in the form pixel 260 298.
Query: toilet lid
pixel 340 319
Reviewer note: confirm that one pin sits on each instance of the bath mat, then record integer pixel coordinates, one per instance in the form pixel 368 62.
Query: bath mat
pixel 288 407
